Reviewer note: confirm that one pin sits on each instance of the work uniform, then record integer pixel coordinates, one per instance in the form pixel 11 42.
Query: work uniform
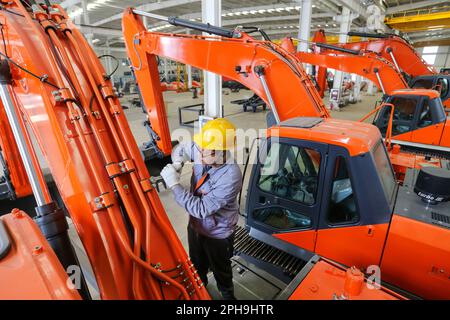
pixel 213 214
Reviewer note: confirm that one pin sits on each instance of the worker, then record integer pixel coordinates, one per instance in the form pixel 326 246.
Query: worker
pixel 211 201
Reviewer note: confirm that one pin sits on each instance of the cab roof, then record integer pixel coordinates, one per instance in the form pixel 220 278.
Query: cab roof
pixel 357 137
pixel 417 92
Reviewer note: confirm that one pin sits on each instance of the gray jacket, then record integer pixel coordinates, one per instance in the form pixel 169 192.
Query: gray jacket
pixel 213 210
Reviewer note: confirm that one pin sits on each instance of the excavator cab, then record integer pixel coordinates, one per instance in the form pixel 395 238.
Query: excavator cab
pixel 308 190
pixel 438 82
pixel 418 116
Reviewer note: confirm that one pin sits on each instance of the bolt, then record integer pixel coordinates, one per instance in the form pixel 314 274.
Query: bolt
pixel 125 186
pixel 17 213
pixel 37 250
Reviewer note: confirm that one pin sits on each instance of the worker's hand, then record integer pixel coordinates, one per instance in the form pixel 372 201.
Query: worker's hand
pixel 170 175
pixel 178 166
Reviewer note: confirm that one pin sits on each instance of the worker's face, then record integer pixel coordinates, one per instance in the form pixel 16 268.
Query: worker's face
pixel 212 157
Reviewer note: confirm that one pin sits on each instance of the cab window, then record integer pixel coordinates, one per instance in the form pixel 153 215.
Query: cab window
pixel 442 87
pixel 282 218
pixel 425 118
pixel 403 119
pixel 342 206
pixel 423 83
pixel 291 172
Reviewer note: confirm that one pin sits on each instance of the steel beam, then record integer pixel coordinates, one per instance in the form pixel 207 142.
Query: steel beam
pixel 148 7
pixel 414 5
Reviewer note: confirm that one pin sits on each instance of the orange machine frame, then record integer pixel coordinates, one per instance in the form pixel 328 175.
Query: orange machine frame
pixel 93 158
pixel 282 68
pixel 375 68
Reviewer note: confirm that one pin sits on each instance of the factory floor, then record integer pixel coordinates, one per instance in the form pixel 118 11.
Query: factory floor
pixel 234 113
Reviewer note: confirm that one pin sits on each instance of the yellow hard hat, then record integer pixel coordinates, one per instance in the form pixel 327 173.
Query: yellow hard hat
pixel 217 134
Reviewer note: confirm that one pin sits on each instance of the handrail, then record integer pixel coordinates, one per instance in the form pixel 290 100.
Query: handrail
pixel 388 137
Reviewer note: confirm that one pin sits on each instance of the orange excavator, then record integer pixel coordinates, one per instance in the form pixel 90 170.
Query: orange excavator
pixel 320 185
pixel 53 87
pixel 53 83
pixel 395 49
pixel 419 121
pixel 52 78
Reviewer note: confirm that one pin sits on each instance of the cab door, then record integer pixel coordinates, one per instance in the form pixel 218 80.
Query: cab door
pixel 429 122
pixel 403 119
pixel 285 190
pixel 356 208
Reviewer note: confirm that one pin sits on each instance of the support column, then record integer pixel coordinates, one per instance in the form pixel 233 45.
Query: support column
pixel 357 88
pixel 212 82
pixel 346 22
pixel 304 30
pixel 86 21
pixel 166 70
pixel 145 21
pixel 189 68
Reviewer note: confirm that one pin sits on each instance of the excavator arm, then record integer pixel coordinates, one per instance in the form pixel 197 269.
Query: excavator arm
pixel 52 79
pixel 394 49
pixel 366 64
pixel 265 68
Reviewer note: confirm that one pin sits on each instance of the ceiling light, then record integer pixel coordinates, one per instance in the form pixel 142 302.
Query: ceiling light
pixel 298 7
pixel 289 8
pixel 245 12
pixel 262 11
pixel 253 11
pixel 313 6
pixel 271 10
pixel 95 40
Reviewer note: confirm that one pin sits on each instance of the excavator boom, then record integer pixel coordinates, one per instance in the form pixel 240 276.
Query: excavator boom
pixel 60 88
pixel 394 49
pixel 241 59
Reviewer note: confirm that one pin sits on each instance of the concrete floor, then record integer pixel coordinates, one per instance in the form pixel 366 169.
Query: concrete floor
pixel 234 113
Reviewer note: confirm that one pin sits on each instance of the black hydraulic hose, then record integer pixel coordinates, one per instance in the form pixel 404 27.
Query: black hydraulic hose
pixel 331 47
pixel 368 35
pixel 204 27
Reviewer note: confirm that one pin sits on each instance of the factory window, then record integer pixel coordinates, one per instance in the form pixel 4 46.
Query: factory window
pixel 429 54
pixel 291 172
pixel 342 208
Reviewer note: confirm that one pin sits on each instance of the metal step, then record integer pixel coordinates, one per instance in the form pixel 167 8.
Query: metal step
pixel 268 256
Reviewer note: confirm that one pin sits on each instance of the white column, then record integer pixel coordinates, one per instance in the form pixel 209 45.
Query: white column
pixel 213 83
pixel 89 36
pixel 166 70
pixel 304 30
pixel 346 22
pixel 304 25
pixel 357 88
pixel 371 88
pixel 145 21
